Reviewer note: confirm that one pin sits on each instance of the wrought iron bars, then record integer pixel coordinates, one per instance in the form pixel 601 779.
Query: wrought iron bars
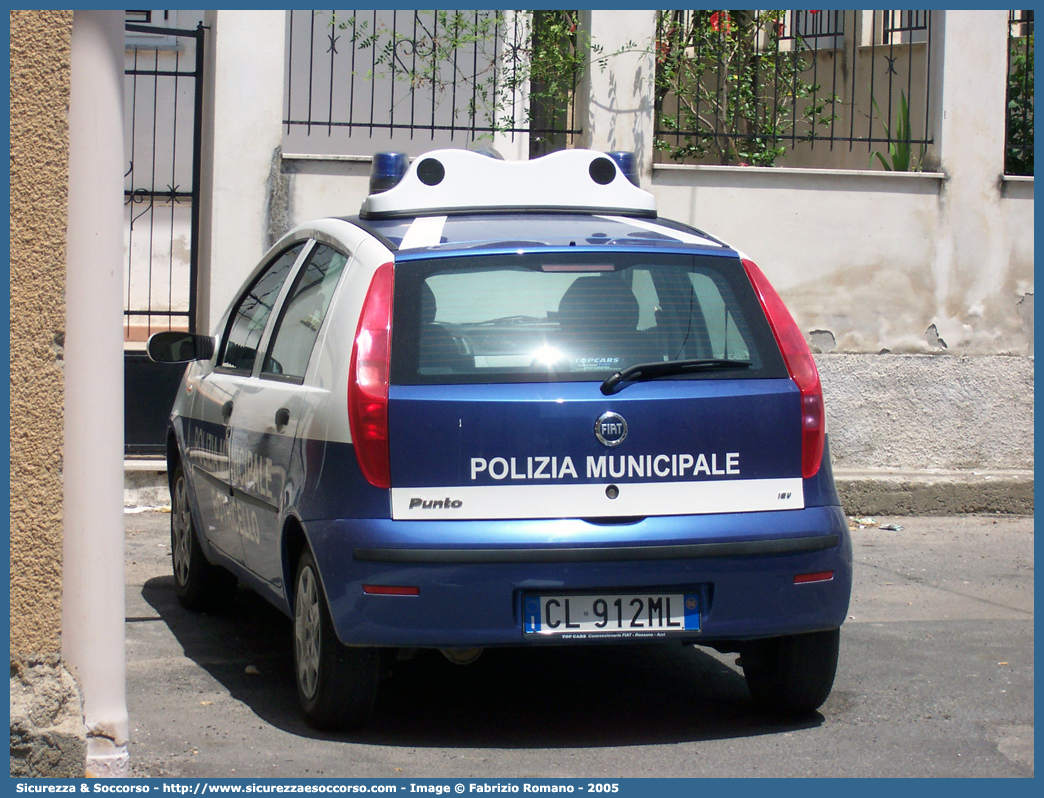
pixel 763 86
pixel 1018 151
pixel 161 185
pixel 358 81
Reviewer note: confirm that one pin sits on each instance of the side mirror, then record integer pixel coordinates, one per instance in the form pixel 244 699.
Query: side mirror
pixel 179 347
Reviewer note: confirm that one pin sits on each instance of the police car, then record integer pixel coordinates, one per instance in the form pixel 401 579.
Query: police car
pixel 508 404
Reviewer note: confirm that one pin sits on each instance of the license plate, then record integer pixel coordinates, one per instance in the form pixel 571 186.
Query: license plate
pixel 614 615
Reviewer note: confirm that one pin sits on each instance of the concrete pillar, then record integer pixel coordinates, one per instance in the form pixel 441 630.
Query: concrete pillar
pixel 242 134
pixel 969 65
pixel 970 60
pixel 620 101
pixel 93 599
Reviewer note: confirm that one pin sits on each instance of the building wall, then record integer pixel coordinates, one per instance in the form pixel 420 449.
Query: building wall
pixel 40 58
pixel 866 261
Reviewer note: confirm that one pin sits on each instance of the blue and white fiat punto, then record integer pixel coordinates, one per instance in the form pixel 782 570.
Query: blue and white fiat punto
pixel 509 405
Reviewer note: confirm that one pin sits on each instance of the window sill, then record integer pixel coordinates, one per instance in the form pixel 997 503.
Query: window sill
pixel 302 156
pixel 1017 187
pixel 802 172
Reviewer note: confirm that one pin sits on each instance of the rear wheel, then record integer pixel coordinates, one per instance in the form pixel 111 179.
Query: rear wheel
pixel 792 675
pixel 336 684
pixel 199 584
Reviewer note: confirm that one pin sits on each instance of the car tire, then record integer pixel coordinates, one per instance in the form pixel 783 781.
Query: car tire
pixel 791 676
pixel 198 584
pixel 336 684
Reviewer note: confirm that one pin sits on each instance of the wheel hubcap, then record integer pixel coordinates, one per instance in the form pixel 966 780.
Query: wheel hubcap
pixel 181 526
pixel 307 632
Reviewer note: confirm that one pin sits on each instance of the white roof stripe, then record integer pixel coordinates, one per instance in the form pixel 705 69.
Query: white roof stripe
pixel 670 232
pixel 426 231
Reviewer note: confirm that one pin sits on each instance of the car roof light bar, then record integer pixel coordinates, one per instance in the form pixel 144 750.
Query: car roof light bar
pixel 448 181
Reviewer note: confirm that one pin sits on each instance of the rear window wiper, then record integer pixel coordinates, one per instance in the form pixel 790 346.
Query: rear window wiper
pixel 508 320
pixel 651 371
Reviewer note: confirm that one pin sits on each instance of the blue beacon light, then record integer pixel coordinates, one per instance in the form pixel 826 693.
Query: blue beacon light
pixel 387 170
pixel 625 160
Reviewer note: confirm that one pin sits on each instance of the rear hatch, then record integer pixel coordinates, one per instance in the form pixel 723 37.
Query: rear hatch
pixel 586 383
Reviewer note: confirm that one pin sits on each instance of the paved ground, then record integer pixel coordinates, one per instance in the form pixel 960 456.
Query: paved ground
pixel 935 679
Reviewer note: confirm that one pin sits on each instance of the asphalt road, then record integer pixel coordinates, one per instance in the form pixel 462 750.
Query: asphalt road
pixel 935 679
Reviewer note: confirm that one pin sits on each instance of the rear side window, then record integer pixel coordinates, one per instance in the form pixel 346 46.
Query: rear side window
pixel 574 316
pixel 250 315
pixel 303 314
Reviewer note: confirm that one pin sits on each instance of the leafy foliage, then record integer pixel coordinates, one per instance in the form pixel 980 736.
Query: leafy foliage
pixel 1019 151
pixel 741 96
pixel 899 149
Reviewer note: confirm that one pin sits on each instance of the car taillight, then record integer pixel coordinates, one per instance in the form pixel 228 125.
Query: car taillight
pixel 801 366
pixel 368 380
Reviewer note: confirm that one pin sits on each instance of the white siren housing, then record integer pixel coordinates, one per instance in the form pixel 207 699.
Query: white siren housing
pixel 445 181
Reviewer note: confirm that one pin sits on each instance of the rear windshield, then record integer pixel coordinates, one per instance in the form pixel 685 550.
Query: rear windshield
pixel 574 316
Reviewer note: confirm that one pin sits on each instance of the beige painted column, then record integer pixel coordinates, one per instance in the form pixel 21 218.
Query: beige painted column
pixel 93 600
pixel 621 99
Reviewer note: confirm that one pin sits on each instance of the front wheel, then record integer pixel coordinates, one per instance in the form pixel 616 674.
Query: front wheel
pixel 336 684
pixel 198 584
pixel 792 675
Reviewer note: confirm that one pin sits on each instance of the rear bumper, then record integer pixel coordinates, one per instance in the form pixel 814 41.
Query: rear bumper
pixel 471 576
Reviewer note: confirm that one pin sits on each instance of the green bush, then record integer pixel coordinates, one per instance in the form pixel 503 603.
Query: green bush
pixel 1018 158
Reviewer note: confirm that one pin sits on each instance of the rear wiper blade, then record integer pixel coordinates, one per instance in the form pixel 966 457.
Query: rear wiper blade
pixel 652 371
pixel 508 320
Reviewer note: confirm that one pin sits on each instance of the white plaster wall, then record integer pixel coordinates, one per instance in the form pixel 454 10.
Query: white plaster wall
pixel 1018 229
pixel 857 253
pixel 242 131
pixel 617 101
pixel 319 188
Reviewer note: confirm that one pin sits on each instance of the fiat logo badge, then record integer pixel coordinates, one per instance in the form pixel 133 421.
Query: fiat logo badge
pixel 610 429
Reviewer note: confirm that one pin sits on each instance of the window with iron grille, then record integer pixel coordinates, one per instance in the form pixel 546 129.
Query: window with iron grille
pixel 157 39
pixel 802 88
pixel 903 27
pixel 815 29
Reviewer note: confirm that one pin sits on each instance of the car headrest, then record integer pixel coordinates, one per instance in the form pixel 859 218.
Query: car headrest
pixel 603 303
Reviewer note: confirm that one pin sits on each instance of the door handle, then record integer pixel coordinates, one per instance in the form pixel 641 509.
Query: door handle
pixel 226 411
pixel 282 418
